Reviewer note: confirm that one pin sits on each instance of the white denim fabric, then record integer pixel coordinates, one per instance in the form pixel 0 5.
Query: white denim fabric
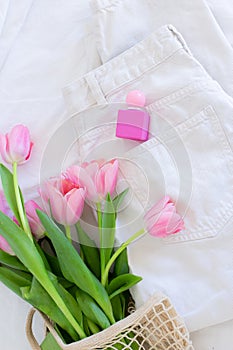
pixel 223 13
pixel 46 44
pixel 115 31
pixel 11 23
pixel 188 156
pixel 4 5
pixel 35 63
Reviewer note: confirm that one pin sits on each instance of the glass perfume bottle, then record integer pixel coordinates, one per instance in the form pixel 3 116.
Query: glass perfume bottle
pixel 133 123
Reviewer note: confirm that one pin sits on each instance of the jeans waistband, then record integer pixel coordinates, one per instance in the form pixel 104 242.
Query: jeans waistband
pixel 93 87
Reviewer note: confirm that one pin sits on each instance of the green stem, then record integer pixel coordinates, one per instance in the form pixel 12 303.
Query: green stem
pixel 68 233
pixel 93 327
pixel 102 256
pixel 22 214
pixel 117 253
pixel 48 285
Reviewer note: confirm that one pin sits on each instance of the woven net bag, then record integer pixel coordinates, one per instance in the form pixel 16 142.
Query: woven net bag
pixel 155 325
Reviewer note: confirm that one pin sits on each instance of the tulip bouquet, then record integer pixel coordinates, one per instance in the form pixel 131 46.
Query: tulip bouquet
pixel 82 288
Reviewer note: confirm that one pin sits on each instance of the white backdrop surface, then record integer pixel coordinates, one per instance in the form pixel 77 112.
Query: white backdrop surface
pixel 44 45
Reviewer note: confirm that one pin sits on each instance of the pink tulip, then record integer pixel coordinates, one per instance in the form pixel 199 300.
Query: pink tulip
pixel 162 219
pixel 16 146
pixel 34 222
pixel 66 200
pixel 98 177
pixel 4 208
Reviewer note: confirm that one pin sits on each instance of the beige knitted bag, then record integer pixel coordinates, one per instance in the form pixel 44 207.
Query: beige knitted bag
pixel 155 325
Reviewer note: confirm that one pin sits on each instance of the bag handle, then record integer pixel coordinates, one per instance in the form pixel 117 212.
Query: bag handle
pixel 29 332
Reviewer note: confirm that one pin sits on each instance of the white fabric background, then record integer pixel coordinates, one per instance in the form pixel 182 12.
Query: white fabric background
pixel 193 19
pixel 43 46
pixel 223 13
pixel 177 88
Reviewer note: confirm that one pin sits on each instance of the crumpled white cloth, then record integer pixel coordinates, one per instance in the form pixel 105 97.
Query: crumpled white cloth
pixel 189 157
pixel 115 32
pixel 223 13
pixel 43 46
pixel 36 63
pixel 11 23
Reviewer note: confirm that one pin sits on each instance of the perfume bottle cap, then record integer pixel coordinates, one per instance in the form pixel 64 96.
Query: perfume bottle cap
pixel 136 98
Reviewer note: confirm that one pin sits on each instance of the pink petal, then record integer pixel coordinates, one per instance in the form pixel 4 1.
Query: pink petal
pixel 151 220
pixel 100 183
pixel 58 204
pixel 158 207
pixel 162 219
pixel 91 169
pixel 19 144
pixel 176 224
pixel 30 151
pixel 44 190
pixel 3 149
pixel 82 177
pixel 111 174
pixel 5 246
pixel 34 222
pixel 30 207
pixel 4 206
pixel 75 203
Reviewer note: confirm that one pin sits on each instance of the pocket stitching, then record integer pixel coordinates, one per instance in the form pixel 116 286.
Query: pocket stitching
pixel 208 114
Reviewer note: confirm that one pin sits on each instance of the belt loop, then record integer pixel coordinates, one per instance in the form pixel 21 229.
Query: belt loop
pixel 95 89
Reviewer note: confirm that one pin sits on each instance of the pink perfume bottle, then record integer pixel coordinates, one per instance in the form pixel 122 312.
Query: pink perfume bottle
pixel 133 123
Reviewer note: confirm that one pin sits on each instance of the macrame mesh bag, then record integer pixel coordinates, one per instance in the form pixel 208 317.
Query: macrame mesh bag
pixel 155 325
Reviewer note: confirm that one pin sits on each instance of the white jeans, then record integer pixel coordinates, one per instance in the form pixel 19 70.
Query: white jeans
pixel 116 31
pixel 189 156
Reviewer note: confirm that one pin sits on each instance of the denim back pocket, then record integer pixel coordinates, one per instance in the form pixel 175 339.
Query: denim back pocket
pixel 193 163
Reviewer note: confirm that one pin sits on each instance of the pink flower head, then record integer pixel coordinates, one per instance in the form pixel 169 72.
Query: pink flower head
pixel 66 200
pixel 162 219
pixel 34 222
pixel 16 146
pixel 98 177
pixel 4 208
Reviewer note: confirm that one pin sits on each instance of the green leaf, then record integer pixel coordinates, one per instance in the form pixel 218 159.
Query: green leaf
pixel 86 326
pixel 28 254
pixel 91 310
pixel 43 257
pixel 11 261
pixel 133 345
pixel 64 283
pixel 14 279
pixel 122 283
pixel 54 264
pixel 73 267
pixel 8 188
pixel 50 343
pixel 108 228
pixel 38 297
pixel 89 250
pixel 93 327
pixel 124 297
pixel 117 308
pixel 68 299
pixel 22 246
pixel 121 266
pixel 119 199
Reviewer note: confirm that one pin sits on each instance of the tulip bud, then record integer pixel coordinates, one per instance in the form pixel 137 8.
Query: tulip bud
pixel 34 222
pixel 162 219
pixel 66 200
pixel 5 209
pixel 16 146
